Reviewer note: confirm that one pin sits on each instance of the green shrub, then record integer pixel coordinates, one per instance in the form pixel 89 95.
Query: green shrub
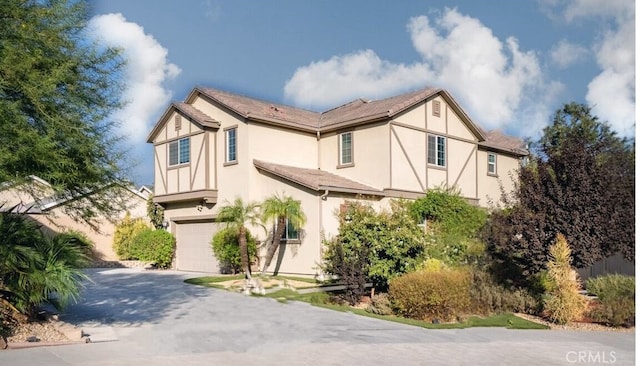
pixel 563 302
pixel 452 226
pixel 82 245
pixel 227 250
pixel 381 245
pixel 155 246
pixel 427 296
pixel 489 297
pixel 350 262
pixel 123 236
pixel 616 296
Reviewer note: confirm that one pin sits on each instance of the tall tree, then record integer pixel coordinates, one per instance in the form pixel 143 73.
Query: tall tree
pixel 237 216
pixel 57 92
pixel 283 211
pixel 580 183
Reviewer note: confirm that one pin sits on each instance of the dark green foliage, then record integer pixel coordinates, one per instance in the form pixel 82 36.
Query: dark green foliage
pixel 154 246
pixel 57 93
pixel 428 296
pixel 452 226
pixel 280 210
pixel 349 261
pixel 227 249
pixel 155 212
pixel 489 297
pixel 35 268
pixel 237 216
pixel 580 182
pixel 616 299
pixel 376 245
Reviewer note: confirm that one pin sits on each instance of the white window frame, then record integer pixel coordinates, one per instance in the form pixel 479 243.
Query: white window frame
pixel 439 154
pixel 341 156
pixel 228 145
pixel 179 146
pixel 286 233
pixel 492 164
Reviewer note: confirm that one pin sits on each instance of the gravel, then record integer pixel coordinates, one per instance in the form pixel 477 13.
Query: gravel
pixel 46 331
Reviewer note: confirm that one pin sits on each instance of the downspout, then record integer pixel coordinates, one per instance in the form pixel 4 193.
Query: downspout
pixel 323 197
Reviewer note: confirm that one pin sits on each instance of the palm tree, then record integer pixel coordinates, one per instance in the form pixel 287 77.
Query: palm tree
pixel 282 210
pixel 237 216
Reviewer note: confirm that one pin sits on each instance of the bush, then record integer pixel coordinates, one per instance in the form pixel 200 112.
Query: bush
pixel 489 297
pixel 563 302
pixel 452 226
pixel 227 250
pixel 82 245
pixel 616 297
pixel 124 234
pixel 155 246
pixel 443 295
pixel 380 304
pixel 349 261
pixel 378 246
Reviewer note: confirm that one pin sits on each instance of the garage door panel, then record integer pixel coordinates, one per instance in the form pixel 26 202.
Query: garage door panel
pixel 193 246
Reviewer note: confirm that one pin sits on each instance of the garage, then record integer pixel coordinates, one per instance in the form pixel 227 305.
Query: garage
pixel 193 246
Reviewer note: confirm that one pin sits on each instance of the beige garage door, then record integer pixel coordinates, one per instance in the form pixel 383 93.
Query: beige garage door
pixel 193 246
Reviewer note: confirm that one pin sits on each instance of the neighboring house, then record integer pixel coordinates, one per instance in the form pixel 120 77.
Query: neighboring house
pixel 217 146
pixel 49 211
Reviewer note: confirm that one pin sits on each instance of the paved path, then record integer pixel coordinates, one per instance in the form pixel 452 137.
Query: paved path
pixel 153 318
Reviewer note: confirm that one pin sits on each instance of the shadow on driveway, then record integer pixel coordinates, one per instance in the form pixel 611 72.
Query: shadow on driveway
pixel 125 297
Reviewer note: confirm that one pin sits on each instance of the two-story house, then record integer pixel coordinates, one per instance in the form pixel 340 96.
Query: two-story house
pixel 216 146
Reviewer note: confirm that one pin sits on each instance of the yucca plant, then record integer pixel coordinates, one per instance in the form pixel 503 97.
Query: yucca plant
pixel 563 302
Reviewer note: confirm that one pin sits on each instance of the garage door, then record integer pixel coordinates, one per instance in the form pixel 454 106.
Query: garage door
pixel 193 246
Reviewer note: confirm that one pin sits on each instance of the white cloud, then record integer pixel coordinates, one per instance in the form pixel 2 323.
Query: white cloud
pixel 565 53
pixel 146 69
pixel 492 79
pixel 611 93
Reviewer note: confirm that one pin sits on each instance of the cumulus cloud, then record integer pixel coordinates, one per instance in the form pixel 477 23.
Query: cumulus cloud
pixel 146 69
pixel 611 93
pixel 565 53
pixel 492 79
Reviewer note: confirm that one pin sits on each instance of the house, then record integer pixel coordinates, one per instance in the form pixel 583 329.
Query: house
pixel 216 146
pixel 51 213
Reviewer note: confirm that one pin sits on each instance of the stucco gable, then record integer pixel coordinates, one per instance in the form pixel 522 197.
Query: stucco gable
pixel 190 112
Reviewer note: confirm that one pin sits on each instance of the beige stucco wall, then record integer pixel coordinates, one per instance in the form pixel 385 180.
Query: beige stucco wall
pixel 489 185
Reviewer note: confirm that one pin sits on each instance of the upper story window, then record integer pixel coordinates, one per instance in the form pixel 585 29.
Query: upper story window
pixel 437 150
pixel 179 152
pixel 346 148
pixel 231 143
pixel 291 233
pixel 492 164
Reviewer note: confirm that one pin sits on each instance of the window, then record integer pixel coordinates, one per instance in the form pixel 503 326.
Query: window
pixel 291 233
pixel 436 150
pixel 179 152
pixel 346 148
pixel 492 164
pixel 231 143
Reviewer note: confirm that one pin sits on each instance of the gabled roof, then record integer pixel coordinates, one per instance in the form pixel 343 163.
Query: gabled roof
pixel 261 110
pixel 316 179
pixel 354 113
pixel 192 113
pixel 499 141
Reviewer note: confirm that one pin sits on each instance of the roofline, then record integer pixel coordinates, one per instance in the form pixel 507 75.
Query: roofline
pixel 209 123
pixel 491 146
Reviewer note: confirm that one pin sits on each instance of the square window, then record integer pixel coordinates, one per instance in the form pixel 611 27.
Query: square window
pixel 492 162
pixel 232 147
pixel 179 152
pixel 436 150
pixel 346 148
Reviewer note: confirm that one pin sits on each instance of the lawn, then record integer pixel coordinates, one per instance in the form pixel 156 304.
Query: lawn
pixel 321 299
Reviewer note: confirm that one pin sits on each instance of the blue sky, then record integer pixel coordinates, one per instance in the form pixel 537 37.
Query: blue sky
pixel 510 64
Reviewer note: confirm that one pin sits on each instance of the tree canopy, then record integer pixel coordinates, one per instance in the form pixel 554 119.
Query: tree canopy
pixel 58 90
pixel 579 182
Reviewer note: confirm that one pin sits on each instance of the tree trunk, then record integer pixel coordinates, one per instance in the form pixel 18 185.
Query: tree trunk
pixel 244 252
pixel 275 242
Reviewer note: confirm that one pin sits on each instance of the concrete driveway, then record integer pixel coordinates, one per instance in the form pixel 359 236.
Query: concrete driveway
pixel 137 317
